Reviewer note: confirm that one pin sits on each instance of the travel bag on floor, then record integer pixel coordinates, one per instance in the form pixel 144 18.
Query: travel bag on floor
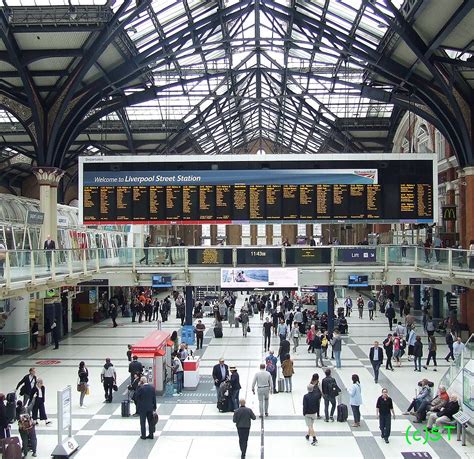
pixel 217 332
pixel 342 412
pixel 125 408
pixel 10 448
pixel 281 385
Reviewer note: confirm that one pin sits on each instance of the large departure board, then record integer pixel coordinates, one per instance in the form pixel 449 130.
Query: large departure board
pixel 279 188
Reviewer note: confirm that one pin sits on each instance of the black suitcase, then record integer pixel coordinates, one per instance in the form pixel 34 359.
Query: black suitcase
pixel 125 408
pixel 342 412
pixel 217 332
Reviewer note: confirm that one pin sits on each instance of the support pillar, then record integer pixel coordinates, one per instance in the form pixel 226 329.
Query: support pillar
pixel 416 298
pixel 48 179
pixel 253 234
pixel 269 234
pixel 17 323
pixel 437 303
pixel 213 234
pixel 450 201
pixel 233 234
pixel 330 308
pixel 187 332
pixel 290 232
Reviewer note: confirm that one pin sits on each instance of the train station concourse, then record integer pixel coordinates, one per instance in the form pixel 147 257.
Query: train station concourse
pixel 237 228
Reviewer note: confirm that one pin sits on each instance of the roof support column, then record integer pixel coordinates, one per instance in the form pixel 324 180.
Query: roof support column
pixel 48 179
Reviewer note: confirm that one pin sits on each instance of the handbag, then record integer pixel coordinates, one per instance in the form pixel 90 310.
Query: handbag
pixel 79 388
pixel 115 388
pixel 156 418
pixel 248 328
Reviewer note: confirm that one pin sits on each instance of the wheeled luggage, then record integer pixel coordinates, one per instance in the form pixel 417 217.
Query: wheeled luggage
pixel 281 385
pixel 217 332
pixel 125 408
pixel 10 448
pixel 342 412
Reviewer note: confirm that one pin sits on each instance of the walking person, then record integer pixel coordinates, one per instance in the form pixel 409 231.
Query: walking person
pixel 317 390
pixel 37 400
pixel 34 334
pixel 263 381
pixel 431 353
pixel 26 428
pixel 310 338
pixel 295 335
pixel 55 334
pixel 242 419
pixel 330 391
pixel 390 314
pixel 82 383
pixel 267 334
pixel 271 367
pixel 336 344
pixel 108 378
pixel 317 345
pixel 348 305
pixel 135 368
pixel 113 314
pixel 388 346
pixel 384 407
pixel 397 349
pixel 450 342
pixel 220 373
pixel 27 384
pixel 234 387
pixel 458 348
pixel 288 371
pixel 49 246
pixel 376 359
pixel 355 394
pixel 145 399
pixel 200 328
pixel 244 318
pixel 310 408
pixel 282 330
pixel 411 343
pixel 146 248
pixel 418 353
pixel 360 306
pixel 371 308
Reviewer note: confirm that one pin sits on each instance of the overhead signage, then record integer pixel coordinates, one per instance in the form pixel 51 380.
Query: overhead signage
pixel 94 283
pixel 296 256
pixel 210 256
pixel 357 255
pixel 259 256
pixel 423 281
pixel 34 218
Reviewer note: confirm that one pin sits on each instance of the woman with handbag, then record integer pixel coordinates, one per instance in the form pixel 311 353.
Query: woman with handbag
pixel 83 379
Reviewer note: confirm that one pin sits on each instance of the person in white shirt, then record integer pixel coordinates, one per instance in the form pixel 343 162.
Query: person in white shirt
pixel 109 379
pixel 458 348
pixel 263 380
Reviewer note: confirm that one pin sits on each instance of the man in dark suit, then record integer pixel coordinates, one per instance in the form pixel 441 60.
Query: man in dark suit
pixel 243 419
pixel 135 368
pixel 376 359
pixel 220 373
pixel 27 384
pixel 49 245
pixel 145 399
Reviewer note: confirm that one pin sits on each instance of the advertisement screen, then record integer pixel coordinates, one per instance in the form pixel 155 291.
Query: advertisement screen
pixel 357 280
pixel 244 278
pixel 161 281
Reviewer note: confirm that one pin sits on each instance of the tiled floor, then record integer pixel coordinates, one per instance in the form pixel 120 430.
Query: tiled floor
pixel 191 427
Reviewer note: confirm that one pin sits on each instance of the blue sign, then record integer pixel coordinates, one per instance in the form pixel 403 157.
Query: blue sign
pixel 356 255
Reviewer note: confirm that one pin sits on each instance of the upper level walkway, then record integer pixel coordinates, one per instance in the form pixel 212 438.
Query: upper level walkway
pixel 321 265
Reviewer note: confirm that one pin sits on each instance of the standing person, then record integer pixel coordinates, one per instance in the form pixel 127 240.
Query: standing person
pixel 37 399
pixel 244 318
pixel 317 346
pixel 330 391
pixel 360 306
pixel 401 306
pixel 376 359
pixel 34 334
pixel 371 308
pixel 295 335
pixel 55 334
pixel 348 305
pixel 177 368
pixel 49 246
pixel 384 407
pixel 388 346
pixel 27 384
pixel 458 348
pixel 336 344
pixel 108 378
pixel 450 342
pixel 267 333
pixel 418 353
pixel 317 390
pixel 234 387
pixel 146 248
pixel 4 421
pixel 325 344
pixel 390 314
pixel 282 330
pixel 411 343
pixel 135 368
pixel 231 315
pixel 242 419
pixel 200 327
pixel 430 326
pixel 397 349
pixel 355 393
pixel 310 408
pixel 26 428
pixel 129 352
pixel 113 314
pixel 310 338
pixel 271 367
pixel 288 371
pixel 431 353
pixel 263 381
pixel 145 399
pixel 220 373
pixel 82 384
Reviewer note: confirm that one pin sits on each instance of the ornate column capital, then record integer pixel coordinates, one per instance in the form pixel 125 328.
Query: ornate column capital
pixel 48 175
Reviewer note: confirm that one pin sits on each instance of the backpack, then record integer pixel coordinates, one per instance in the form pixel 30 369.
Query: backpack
pixel 333 389
pixel 270 366
pixel 324 342
pixel 25 423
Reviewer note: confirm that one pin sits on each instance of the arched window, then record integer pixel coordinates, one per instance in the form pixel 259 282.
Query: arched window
pixel 405 146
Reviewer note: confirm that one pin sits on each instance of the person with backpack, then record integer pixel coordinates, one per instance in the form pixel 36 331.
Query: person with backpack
pixel 355 393
pixel 348 305
pixel 310 408
pixel 360 306
pixel 317 390
pixel 330 391
pixel 371 308
pixel 26 427
pixel 271 367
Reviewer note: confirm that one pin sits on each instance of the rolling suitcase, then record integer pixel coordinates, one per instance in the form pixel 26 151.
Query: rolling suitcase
pixel 10 448
pixel 342 412
pixel 125 408
pixel 237 322
pixel 281 385
pixel 217 332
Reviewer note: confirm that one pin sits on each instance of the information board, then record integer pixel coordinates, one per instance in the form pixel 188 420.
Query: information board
pixel 209 256
pixel 259 256
pixel 239 189
pixel 296 256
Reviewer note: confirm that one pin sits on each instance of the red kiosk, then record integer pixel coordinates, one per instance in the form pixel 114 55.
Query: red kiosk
pixel 154 352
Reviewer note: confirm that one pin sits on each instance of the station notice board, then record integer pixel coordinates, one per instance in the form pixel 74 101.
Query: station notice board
pixel 239 189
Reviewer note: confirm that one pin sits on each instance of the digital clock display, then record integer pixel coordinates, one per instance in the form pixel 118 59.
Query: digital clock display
pixel 257 256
